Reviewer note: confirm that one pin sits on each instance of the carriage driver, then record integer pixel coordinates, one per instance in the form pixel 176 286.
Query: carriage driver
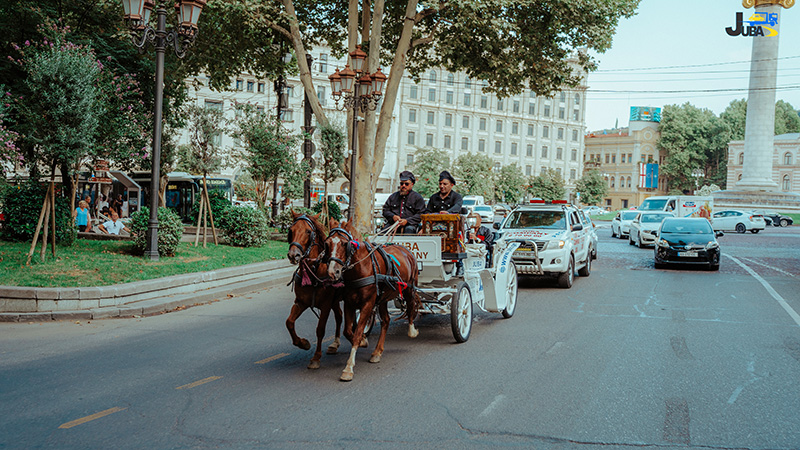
pixel 446 201
pixel 405 206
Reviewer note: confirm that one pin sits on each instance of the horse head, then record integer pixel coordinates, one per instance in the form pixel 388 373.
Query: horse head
pixel 304 235
pixel 341 246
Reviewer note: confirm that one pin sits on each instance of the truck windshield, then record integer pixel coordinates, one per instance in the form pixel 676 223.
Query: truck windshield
pixel 550 220
pixel 653 205
pixel 468 202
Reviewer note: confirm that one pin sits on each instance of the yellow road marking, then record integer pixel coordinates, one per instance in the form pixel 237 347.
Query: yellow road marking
pixel 198 383
pixel 272 358
pixel 94 416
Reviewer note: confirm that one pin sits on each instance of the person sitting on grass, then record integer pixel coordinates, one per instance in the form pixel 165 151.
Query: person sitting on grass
pixel 113 226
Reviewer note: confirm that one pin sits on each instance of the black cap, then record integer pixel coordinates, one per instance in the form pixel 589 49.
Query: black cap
pixel 445 175
pixel 406 175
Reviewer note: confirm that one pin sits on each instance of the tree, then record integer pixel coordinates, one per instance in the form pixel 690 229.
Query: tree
pixel 696 142
pixel 331 150
pixel 474 172
pixel 428 164
pixel 548 185
pixel 735 115
pixel 510 184
pixel 592 187
pixel 9 153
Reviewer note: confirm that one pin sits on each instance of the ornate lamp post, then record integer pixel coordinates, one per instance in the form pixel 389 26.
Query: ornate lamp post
pixel 362 97
pixel 137 14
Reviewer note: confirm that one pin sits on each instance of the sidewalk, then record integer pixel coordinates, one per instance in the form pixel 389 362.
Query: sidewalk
pixel 141 298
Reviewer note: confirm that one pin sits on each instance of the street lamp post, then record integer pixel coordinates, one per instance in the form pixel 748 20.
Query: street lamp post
pixel 361 98
pixel 137 13
pixel 282 106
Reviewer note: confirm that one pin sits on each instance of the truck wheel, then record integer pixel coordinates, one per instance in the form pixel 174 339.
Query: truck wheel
pixel 461 313
pixel 586 270
pixel 740 228
pixel 566 278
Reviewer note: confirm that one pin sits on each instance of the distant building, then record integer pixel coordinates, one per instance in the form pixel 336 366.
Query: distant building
pixel 785 162
pixel 628 159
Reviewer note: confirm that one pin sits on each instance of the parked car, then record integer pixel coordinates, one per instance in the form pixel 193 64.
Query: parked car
pixel 501 210
pixel 486 213
pixel 738 221
pixel 621 223
pixel 591 232
pixel 689 240
pixel 644 227
pixel 593 210
pixel 775 219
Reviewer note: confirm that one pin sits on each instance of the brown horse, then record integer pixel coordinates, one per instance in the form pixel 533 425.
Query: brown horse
pixel 307 240
pixel 372 275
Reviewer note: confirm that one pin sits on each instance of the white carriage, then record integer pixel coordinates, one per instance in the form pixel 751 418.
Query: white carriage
pixel 444 291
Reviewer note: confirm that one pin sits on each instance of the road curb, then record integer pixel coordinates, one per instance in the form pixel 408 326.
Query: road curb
pixel 141 298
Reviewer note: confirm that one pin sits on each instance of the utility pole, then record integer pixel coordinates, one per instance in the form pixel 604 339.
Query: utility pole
pixel 279 87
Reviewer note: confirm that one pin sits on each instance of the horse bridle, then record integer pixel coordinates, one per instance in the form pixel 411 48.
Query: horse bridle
pixel 312 232
pixel 349 250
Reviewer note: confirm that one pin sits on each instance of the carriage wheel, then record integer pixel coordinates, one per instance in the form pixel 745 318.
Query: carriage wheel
pixel 370 324
pixel 511 306
pixel 461 313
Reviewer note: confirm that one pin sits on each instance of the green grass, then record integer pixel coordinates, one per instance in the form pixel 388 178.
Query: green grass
pixel 103 263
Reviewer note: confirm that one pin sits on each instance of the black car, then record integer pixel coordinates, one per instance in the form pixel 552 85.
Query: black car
pixel 776 219
pixel 687 241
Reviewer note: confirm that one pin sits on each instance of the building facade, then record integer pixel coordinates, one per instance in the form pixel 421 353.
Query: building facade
pixel 785 162
pixel 623 156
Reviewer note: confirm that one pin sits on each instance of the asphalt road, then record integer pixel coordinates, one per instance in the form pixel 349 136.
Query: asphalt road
pixel 629 357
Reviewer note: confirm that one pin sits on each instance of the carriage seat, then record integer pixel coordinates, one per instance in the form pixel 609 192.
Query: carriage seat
pixel 451 229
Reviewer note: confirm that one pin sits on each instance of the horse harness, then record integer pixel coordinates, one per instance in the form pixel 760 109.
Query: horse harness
pixel 305 274
pixel 312 232
pixel 391 281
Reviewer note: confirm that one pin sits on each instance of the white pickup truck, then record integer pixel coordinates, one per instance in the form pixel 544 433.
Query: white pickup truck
pixel 553 241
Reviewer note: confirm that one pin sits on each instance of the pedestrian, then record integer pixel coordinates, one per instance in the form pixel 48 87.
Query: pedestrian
pixel 102 203
pixel 83 218
pixel 113 226
pixel 446 201
pixel 405 207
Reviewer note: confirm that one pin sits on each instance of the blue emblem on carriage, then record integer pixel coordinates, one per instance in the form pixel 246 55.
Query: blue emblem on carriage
pixel 503 269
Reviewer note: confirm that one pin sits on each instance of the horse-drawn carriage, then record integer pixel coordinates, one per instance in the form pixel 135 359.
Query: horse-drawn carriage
pixel 419 273
pixel 443 288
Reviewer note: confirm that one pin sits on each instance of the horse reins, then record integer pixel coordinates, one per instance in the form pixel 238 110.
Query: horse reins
pixel 313 234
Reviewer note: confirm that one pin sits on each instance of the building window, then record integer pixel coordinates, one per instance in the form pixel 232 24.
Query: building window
pixel 465 122
pixel 562 97
pixel 499 126
pixel 612 183
pixel 288 115
pixel 529 150
pixel 482 124
pixel 409 160
pixel 448 120
pixel 429 140
pixel 432 94
pixel 322 95
pixel 608 158
pixel 260 87
pixel 239 85
pixel 251 85
pixel 630 158
pixel 530 129
pixel 545 131
pixel 622 158
pixel 558 172
pixel 562 113
pixel 467 83
pixel 412 115
pixel 514 127
pixel 447 141
pixel 787 159
pixel 449 97
pixel 464 143
pixel 431 118
pixel 496 167
pixel 531 108
pixel 574 135
pixel 432 76
pixel 412 91
pixel 513 149
pixel 323 63
pixel 542 170
pixel 628 182
pixel 214 104
pixel 498 147
pixel 786 183
pixel 741 158
pixel 544 151
pixel 574 155
pixel 560 134
pixel 613 158
pixel 547 110
pixel 499 104
pixel 559 153
pixel 572 173
pixel 516 106
pixel 450 79
pixel 484 101
pixel 577 99
pixel 576 115
pixel 528 170
pixel 411 138
pixel 482 145
pixel 466 98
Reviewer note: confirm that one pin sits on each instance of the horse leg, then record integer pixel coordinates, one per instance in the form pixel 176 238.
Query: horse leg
pixel 349 319
pixel 347 373
pixel 297 310
pixel 410 297
pixel 324 312
pixel 384 312
pixel 337 315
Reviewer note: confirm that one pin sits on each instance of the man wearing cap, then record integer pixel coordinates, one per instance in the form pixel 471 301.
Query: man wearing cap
pixel 446 201
pixel 405 206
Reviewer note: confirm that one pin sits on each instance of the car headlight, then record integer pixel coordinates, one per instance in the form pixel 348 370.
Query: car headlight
pixel 555 244
pixel 712 244
pixel 663 243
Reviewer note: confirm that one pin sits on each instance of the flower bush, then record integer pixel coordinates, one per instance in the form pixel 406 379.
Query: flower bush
pixel 245 226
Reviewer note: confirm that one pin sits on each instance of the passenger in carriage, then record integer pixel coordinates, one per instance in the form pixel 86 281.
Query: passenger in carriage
pixel 405 206
pixel 485 235
pixel 446 201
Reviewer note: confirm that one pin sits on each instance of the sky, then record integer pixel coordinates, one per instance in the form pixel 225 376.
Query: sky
pixel 681 45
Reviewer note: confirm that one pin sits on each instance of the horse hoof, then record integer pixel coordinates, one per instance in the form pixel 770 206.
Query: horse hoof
pixel 332 350
pixel 412 332
pixel 346 376
pixel 364 343
pixel 313 364
pixel 304 344
pixel 375 359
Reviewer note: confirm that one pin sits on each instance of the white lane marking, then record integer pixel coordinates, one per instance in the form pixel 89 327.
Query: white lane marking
pixel 792 313
pixel 752 261
pixel 492 405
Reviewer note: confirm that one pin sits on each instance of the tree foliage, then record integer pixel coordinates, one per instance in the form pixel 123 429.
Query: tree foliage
pixel 696 145
pixel 474 171
pixel 592 187
pixel 548 185
pixel 203 154
pixel 735 115
pixel 510 184
pixel 428 164
pixel 331 150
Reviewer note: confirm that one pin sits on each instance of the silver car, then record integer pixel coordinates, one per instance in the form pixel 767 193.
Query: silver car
pixel 621 224
pixel 644 227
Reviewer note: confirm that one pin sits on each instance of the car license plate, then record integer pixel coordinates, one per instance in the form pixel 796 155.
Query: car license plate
pixel 523 249
pixel 687 254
